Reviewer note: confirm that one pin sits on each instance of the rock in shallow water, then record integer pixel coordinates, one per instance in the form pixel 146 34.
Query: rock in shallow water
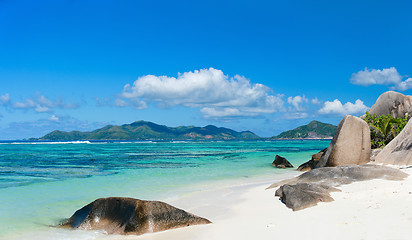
pixel 130 216
pixel 311 164
pixel 281 162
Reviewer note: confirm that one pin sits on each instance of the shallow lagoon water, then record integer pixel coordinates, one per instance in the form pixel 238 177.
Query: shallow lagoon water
pixel 43 183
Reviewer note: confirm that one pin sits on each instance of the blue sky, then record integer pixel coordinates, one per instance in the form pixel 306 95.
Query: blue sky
pixel 264 66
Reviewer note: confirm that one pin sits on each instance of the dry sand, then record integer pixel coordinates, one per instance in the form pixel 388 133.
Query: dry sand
pixel 376 209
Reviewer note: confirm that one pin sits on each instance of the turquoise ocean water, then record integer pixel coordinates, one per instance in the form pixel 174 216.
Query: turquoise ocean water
pixel 43 183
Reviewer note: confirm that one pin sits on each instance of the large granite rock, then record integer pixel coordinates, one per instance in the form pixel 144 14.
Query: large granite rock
pixel 130 216
pixel 304 195
pixel 309 188
pixel 350 145
pixel 399 150
pixel 311 164
pixel 374 153
pixel 393 103
pixel 336 176
pixel 281 162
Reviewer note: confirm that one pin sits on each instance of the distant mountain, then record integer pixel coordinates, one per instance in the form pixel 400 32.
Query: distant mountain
pixel 312 130
pixel 143 130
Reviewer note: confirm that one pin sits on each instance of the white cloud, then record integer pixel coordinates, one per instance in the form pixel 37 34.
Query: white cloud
pixel 229 112
pixel 296 115
pixel 42 100
pixel 138 104
pixel 40 104
pixel 42 109
pixel 54 118
pixel 120 103
pixel 26 104
pixel 403 86
pixel 37 106
pixel 209 89
pixel 386 76
pixel 4 99
pixel 336 107
pixel 221 112
pixel 316 101
pixel 297 102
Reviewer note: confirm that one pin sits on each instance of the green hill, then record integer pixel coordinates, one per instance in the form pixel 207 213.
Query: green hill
pixel 143 130
pixel 312 130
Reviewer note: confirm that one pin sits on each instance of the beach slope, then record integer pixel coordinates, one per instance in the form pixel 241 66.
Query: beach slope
pixel 375 209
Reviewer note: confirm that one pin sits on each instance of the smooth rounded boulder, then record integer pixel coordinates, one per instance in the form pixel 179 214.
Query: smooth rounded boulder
pixel 117 215
pixel 314 186
pixel 393 103
pixel 351 144
pixel 304 195
pixel 399 150
pixel 336 176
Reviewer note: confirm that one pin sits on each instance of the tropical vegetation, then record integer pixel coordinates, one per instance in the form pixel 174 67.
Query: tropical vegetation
pixel 384 128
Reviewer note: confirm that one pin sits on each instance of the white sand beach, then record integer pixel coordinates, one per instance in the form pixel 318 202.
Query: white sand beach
pixel 376 209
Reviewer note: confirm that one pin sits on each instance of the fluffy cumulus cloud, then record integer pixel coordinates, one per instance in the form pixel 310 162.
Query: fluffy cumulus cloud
pixel 386 76
pixel 337 108
pixel 297 102
pixel 404 85
pixel 38 103
pixel 216 94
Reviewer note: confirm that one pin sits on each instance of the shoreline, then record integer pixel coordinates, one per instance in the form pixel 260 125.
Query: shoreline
pixel 207 199
pixel 243 209
pixel 375 209
pixel 185 175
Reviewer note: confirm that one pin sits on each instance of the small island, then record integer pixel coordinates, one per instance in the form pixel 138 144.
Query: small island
pixel 144 130
pixel 312 130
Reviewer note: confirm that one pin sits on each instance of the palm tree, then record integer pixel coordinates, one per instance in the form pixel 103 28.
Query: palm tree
pixel 384 128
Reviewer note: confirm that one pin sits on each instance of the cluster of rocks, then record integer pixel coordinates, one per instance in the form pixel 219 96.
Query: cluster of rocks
pixel 342 162
pixel 351 144
pixel 314 186
pixel 311 164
